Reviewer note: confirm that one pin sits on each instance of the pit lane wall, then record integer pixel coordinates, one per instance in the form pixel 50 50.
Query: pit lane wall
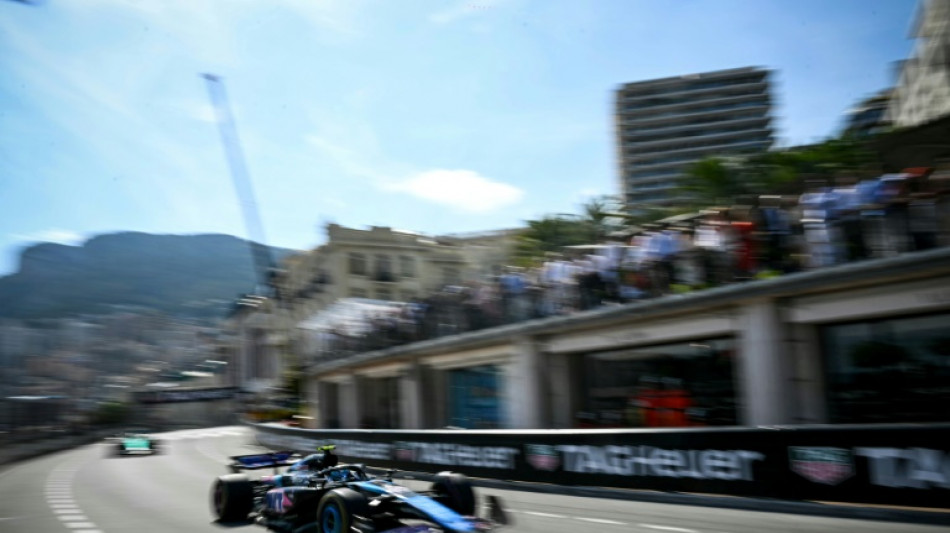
pixel 893 464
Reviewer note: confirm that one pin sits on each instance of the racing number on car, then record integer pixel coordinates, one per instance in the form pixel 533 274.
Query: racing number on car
pixel 275 501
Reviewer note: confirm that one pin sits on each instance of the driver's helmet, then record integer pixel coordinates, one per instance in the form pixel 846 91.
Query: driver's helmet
pixel 341 474
pixel 329 458
pixel 316 461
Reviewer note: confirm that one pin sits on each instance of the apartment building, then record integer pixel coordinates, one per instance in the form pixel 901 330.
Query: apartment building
pixel 923 87
pixel 378 263
pixel 868 117
pixel 665 125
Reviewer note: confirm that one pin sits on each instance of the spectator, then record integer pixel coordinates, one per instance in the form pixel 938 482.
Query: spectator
pixel 777 231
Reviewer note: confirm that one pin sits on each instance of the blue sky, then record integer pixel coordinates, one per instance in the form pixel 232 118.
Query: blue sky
pixel 430 116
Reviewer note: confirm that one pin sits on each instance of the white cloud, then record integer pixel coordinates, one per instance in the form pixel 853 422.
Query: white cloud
pixel 59 236
pixel 461 189
pixel 461 10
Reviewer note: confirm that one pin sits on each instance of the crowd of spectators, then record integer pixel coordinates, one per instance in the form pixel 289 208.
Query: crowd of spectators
pixel 766 237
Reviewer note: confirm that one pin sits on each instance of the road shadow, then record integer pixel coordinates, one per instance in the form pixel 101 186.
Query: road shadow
pixel 231 524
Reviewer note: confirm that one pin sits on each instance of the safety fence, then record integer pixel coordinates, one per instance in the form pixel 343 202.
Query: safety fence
pixel 893 464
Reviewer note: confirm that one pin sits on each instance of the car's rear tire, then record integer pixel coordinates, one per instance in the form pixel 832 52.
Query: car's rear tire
pixel 232 497
pixel 455 491
pixel 338 508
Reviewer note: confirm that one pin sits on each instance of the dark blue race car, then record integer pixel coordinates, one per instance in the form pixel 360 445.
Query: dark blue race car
pixel 316 495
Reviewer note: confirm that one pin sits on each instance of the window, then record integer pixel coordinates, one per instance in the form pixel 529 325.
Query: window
pixel 892 370
pixel 384 294
pixel 669 385
pixel 358 293
pixel 476 397
pixel 357 264
pixel 407 266
pixel 384 268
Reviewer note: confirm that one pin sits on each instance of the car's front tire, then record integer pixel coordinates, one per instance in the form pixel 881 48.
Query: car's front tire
pixel 455 492
pixel 338 508
pixel 232 497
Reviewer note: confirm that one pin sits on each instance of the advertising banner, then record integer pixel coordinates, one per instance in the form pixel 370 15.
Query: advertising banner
pixel 894 465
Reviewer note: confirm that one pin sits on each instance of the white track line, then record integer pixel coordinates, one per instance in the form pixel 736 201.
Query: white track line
pixel 600 521
pixel 544 515
pixel 59 498
pixel 668 528
pixel 605 521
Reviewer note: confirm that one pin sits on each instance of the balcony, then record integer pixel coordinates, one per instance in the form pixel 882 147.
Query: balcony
pixel 691 155
pixel 689 94
pixel 665 103
pixel 695 82
pixel 677 144
pixel 654 187
pixel 632 134
pixel 709 109
pixel 640 182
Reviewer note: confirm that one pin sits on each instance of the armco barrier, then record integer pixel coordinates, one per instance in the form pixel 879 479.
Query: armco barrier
pixel 13 452
pixel 893 464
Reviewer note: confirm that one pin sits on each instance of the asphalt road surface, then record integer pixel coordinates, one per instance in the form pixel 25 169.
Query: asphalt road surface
pixel 87 490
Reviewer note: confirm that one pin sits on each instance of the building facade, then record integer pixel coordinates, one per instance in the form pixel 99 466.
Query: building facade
pixel 868 117
pixel 858 343
pixel 923 88
pixel 665 125
pixel 378 263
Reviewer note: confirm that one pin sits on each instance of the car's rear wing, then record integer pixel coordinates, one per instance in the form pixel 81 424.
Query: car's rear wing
pixel 257 461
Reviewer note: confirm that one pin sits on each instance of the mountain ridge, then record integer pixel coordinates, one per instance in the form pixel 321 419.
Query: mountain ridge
pixel 181 275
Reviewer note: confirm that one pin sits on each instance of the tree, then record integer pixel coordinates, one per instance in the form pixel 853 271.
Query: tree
pixel 549 234
pixel 713 180
pixel 602 213
pixel 722 179
pixel 552 233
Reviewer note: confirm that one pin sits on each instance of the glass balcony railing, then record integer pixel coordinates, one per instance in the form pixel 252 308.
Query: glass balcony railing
pixel 683 115
pixel 688 128
pixel 691 142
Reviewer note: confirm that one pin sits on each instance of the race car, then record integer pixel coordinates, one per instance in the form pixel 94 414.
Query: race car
pixel 136 443
pixel 344 498
pixel 324 458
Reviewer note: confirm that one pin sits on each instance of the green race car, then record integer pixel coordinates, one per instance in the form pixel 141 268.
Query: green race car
pixel 135 443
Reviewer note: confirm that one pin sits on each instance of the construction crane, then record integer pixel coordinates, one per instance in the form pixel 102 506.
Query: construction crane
pixel 264 263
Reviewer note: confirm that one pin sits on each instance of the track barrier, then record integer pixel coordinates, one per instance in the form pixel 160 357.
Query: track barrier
pixel 906 465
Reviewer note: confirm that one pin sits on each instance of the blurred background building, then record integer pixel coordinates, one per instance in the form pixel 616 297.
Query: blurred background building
pixel 374 266
pixel 923 87
pixel 868 117
pixel 665 125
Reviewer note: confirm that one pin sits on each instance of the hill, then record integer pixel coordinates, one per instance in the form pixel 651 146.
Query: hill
pixel 181 275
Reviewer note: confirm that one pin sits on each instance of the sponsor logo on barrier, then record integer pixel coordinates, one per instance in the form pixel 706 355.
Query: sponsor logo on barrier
pixel 451 454
pixel 405 453
pixel 828 466
pixel 542 457
pixel 381 451
pixel 729 465
pixel 915 468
